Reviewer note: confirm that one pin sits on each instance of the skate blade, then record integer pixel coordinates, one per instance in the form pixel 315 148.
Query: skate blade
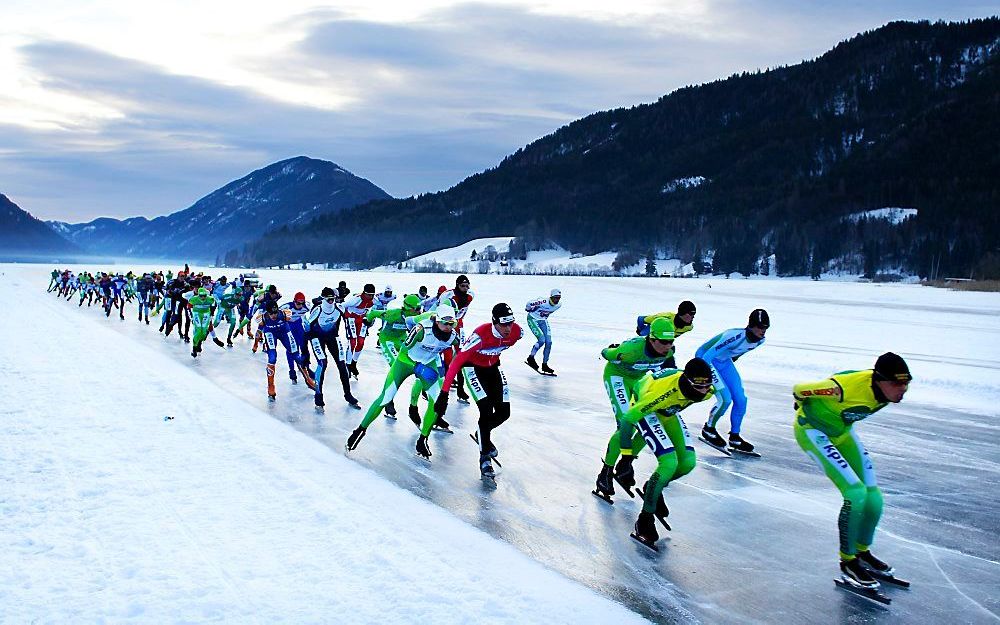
pixel 355 406
pixel 602 497
pixel 320 408
pixel 650 546
pixel 867 593
pixel 627 489
pixel 389 416
pixel 889 578
pixel 463 401
pixel 716 447
pixel 443 430
pixel 750 454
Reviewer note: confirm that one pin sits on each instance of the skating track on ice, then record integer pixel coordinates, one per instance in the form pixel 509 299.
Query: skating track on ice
pixel 754 540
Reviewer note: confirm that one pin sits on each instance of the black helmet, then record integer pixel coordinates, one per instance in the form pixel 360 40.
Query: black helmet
pixel 502 313
pixel 759 319
pixel 462 279
pixel 891 367
pixel 698 372
pixel 696 380
pixel 328 292
pixel 686 308
pixel 272 308
pixel 370 288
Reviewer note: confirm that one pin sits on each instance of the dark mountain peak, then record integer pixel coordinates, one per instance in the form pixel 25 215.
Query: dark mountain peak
pixel 23 237
pixel 290 191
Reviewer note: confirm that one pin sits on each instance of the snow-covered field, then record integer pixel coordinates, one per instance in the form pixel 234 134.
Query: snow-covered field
pixel 552 261
pixel 239 510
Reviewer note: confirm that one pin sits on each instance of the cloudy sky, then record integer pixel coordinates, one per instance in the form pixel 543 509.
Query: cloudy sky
pixel 121 108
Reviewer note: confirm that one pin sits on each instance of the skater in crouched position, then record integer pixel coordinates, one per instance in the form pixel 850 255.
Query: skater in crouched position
pixel 721 352
pixel 539 311
pixel 825 413
pixel 322 325
pixel 660 398
pixel 478 360
pixel 420 356
pixel 627 363
pixel 683 321
pixel 274 329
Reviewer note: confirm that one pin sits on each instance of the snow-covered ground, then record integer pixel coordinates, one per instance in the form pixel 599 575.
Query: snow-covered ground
pixel 554 261
pixel 239 509
pixel 892 215
pixel 136 489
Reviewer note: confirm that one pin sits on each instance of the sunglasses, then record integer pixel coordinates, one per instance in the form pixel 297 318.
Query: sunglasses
pixel 331 299
pixel 662 341
pixel 449 321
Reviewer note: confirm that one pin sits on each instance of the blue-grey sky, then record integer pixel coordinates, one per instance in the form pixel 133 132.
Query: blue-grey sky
pixel 115 108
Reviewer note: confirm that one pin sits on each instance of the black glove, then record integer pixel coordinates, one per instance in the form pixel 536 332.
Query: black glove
pixel 613 345
pixel 441 404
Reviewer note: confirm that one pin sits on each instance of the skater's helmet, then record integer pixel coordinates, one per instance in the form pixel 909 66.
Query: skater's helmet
pixel 686 308
pixel 462 279
pixel 300 297
pixel 502 313
pixel 411 302
pixel 554 293
pixel 759 319
pixel 698 373
pixel 370 289
pixel 387 290
pixel 446 314
pixel 422 291
pixel 272 308
pixel 203 292
pixel 662 329
pixel 891 367
pixel 328 292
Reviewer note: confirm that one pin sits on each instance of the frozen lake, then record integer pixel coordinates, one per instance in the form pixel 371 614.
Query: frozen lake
pixel 753 539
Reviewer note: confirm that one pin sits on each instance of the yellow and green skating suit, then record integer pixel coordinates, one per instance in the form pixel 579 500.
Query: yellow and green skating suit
pixel 656 410
pixel 825 412
pixel 627 364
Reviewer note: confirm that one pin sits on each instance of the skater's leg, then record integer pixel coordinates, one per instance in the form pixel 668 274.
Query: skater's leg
pixel 828 455
pixel 723 398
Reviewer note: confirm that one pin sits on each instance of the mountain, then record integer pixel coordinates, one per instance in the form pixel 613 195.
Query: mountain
pixel 24 238
pixel 288 192
pixel 758 167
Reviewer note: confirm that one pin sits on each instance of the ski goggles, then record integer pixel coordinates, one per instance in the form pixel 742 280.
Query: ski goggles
pixel 506 320
pixel 448 321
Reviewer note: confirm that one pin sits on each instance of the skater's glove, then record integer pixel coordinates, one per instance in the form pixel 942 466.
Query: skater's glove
pixel 441 404
pixel 613 345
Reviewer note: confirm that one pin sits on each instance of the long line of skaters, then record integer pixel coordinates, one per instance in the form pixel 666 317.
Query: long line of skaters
pixel 425 339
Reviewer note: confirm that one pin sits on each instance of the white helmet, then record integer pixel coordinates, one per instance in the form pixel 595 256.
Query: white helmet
pixel 445 313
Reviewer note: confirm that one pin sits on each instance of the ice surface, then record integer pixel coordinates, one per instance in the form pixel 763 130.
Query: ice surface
pixel 753 540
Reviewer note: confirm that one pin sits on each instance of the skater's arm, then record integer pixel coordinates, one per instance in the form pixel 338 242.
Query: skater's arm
pixel 462 357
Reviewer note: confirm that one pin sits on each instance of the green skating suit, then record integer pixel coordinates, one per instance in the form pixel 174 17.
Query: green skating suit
pixel 201 316
pixel 227 304
pixel 825 412
pixel 678 330
pixel 627 364
pixel 420 356
pixel 656 411
pixel 396 323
